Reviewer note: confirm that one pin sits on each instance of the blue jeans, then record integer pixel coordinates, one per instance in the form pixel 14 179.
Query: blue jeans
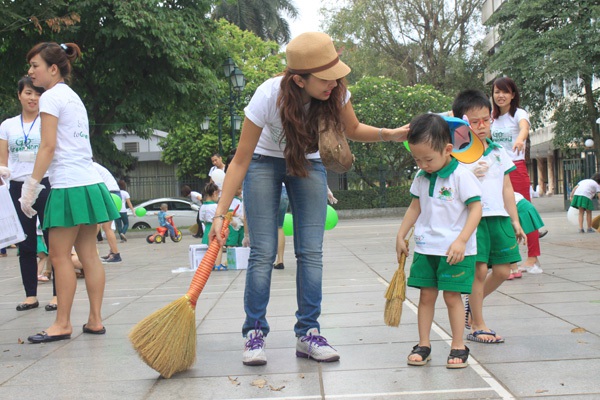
pixel 170 229
pixel 122 224
pixel 308 200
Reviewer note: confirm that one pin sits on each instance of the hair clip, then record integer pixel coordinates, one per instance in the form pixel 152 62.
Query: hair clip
pixel 64 46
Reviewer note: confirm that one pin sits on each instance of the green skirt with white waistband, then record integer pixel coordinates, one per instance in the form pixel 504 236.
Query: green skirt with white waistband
pixel 81 205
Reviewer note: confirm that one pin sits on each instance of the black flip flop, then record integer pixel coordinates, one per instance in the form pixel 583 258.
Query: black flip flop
pixel 98 332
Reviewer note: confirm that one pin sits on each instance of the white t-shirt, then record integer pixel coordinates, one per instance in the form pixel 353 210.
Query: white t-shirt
pixel 72 162
pixel 124 198
pixel 505 130
pixel 587 188
pixel 107 178
pixel 444 197
pixel 14 133
pixel 264 113
pixel 194 198
pixel 498 164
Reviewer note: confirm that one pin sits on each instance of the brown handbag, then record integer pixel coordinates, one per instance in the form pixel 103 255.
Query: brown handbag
pixel 335 151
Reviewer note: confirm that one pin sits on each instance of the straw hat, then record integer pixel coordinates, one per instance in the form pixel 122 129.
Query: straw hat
pixel 314 53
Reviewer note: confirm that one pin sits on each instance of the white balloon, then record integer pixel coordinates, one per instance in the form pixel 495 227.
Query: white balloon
pixel 573 216
pixel 218 176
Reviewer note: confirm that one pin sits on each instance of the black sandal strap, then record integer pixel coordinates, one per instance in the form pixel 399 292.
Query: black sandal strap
pixel 461 354
pixel 422 351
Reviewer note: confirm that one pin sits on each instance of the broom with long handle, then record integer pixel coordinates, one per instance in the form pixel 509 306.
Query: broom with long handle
pixel 396 293
pixel 166 339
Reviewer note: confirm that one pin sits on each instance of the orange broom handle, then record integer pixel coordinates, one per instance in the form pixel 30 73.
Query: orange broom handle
pixel 206 265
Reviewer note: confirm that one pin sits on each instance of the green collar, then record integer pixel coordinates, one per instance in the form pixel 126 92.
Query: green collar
pixel 442 173
pixel 491 146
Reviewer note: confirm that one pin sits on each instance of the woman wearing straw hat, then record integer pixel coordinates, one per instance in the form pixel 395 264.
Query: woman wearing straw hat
pixel 279 143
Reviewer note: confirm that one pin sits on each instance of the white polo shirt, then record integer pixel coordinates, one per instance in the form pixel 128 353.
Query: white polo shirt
pixel 498 164
pixel 444 197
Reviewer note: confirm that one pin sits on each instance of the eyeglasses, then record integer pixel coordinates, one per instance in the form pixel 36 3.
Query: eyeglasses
pixel 477 122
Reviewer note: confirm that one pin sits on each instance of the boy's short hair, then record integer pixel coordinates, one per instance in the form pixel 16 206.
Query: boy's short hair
pixel 430 129
pixel 164 205
pixel 468 100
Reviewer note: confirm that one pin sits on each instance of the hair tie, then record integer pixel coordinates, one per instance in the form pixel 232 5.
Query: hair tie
pixel 64 46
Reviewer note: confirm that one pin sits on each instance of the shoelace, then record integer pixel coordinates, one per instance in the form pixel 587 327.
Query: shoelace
pixel 256 341
pixel 315 340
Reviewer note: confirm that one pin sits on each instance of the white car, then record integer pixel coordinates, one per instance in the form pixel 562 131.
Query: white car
pixel 184 213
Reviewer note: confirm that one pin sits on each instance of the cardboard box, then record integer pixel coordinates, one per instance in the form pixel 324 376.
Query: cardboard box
pixel 196 253
pixel 237 257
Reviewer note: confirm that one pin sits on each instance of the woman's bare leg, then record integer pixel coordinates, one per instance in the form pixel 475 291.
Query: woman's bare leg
pixel 85 246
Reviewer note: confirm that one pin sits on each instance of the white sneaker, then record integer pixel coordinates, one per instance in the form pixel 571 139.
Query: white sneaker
pixel 254 348
pixel 315 346
pixel 535 269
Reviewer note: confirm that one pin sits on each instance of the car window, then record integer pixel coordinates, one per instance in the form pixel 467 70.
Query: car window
pixel 181 206
pixel 153 207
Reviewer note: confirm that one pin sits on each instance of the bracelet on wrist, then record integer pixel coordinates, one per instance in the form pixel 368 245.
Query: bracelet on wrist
pixel 219 216
pixel 379 134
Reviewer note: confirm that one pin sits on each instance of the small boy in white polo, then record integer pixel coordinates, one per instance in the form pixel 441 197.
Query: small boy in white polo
pixel 445 211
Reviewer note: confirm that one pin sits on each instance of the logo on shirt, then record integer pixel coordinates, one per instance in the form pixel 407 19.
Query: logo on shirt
pixel 445 194
pixel 501 136
pixel 277 135
pixel 420 239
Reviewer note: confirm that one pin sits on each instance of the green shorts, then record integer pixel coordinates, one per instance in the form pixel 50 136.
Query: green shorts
pixel 434 271
pixel 496 241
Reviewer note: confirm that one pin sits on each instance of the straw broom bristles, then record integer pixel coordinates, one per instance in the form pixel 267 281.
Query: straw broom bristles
pixel 166 339
pixel 396 294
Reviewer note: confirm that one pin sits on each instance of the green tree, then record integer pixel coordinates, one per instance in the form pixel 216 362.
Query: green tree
pixel 186 145
pixel 550 47
pixel 262 17
pixel 142 60
pixel 412 41
pixel 385 102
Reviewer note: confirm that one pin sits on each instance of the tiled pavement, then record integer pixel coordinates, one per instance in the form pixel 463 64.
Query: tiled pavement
pixel 542 357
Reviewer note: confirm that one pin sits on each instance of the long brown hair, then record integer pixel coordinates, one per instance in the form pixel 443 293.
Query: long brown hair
pixel 300 127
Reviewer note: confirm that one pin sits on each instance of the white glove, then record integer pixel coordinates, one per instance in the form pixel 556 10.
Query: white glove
pixel 481 169
pixel 4 172
pixel 246 241
pixel 330 198
pixel 29 193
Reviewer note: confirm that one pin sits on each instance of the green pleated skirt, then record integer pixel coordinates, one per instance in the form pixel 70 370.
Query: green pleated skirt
pixel 529 218
pixel 82 205
pixel 582 202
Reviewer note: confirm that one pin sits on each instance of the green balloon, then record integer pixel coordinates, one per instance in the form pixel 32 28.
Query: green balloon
pixel 331 219
pixel 140 211
pixel 117 200
pixel 288 225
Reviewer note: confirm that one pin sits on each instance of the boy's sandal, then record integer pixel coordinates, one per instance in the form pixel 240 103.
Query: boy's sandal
pixel 220 267
pixel 424 352
pixel 462 354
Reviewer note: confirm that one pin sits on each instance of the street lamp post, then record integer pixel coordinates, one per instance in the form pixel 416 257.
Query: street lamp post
pixel 236 82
